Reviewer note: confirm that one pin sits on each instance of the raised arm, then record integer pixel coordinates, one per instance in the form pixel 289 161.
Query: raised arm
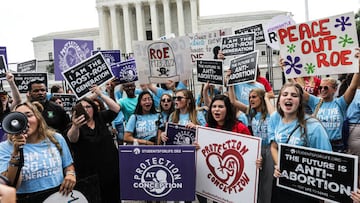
pixel 235 102
pixel 207 99
pixel 112 105
pixel 351 90
pixel 14 90
pixel 269 106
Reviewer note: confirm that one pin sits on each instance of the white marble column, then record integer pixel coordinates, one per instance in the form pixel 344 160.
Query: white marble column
pixel 194 15
pixel 104 28
pixel 154 20
pixel 180 16
pixel 114 27
pixel 139 21
pixel 125 8
pixel 167 17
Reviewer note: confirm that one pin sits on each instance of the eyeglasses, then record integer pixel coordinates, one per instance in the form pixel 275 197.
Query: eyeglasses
pixel 87 107
pixel 178 98
pixel 326 88
pixel 166 100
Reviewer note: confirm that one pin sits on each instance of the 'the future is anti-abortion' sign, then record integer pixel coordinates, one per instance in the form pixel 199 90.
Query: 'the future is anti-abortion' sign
pixel 325 175
pixel 320 47
pixel 243 68
pixel 22 80
pixel 81 77
pixel 210 71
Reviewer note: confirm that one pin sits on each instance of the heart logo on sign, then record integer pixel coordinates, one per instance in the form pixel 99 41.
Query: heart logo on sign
pixel 226 167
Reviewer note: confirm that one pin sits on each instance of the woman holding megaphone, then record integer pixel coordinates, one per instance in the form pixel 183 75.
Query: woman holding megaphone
pixel 35 159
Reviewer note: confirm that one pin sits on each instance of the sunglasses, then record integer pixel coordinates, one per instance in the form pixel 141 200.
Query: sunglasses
pixel 326 88
pixel 166 100
pixel 178 98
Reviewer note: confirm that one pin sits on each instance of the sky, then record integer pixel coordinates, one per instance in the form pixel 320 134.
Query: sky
pixel 23 20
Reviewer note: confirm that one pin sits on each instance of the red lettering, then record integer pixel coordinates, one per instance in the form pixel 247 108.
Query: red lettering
pixel 166 52
pixel 282 35
pixel 306 47
pixel 292 37
pixel 159 54
pixel 304 29
pixel 323 28
pixel 335 59
pixel 152 54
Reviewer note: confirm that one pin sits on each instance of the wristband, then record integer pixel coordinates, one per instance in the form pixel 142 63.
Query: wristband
pixel 70 173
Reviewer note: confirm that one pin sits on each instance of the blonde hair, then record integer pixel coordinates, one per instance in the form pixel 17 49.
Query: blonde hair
pixel 191 107
pixel 331 80
pixel 43 130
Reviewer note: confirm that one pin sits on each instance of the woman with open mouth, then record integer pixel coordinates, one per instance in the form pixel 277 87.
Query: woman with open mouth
pixel 290 125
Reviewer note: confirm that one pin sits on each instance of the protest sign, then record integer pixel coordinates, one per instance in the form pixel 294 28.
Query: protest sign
pixel 68 53
pixel 206 45
pixel 111 56
pixel 238 44
pixel 243 68
pixel 27 66
pixel 321 174
pixel 225 165
pixel 3 67
pixel 165 173
pixel 210 71
pixel 257 29
pixel 3 52
pixel 92 71
pixel 22 80
pixel 320 47
pixel 271 28
pixel 68 100
pixel 160 61
pixel 179 134
pixel 125 71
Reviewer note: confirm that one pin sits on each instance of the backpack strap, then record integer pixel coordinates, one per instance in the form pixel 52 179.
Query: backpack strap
pixel 318 105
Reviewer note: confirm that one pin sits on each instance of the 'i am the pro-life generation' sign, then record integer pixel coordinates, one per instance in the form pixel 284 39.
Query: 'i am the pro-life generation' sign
pixel 320 47
pixel 157 173
pixel 325 175
pixel 93 71
pixel 243 68
pixel 210 71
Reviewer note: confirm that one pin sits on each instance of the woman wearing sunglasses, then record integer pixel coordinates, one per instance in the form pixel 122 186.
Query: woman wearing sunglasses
pixel 166 108
pixel 185 111
pixel 332 111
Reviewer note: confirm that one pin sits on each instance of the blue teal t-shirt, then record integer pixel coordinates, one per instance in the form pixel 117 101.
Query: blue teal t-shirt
pixel 353 111
pixel 43 164
pixel 242 91
pixel 260 128
pixel 128 106
pixel 145 125
pixel 243 118
pixel 331 114
pixel 316 134
pixel 184 119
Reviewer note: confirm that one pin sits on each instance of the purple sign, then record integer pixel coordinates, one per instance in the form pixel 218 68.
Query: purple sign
pixel 179 134
pixel 3 52
pixel 125 71
pixel 3 67
pixel 111 56
pixel 157 173
pixel 68 53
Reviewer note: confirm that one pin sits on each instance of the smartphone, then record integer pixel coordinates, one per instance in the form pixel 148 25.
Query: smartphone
pixel 79 110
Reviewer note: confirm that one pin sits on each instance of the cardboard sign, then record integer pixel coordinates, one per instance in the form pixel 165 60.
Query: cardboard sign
pixel 320 47
pixel 28 66
pixel 271 28
pixel 257 29
pixel 225 165
pixel 111 56
pixel 68 53
pixel 321 174
pixel 210 71
pixel 243 68
pixel 68 100
pixel 22 80
pixel 125 71
pixel 81 77
pixel 160 61
pixel 157 173
pixel 206 45
pixel 238 44
pixel 3 67
pixel 179 134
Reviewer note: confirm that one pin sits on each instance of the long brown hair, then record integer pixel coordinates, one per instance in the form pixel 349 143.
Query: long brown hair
pixel 43 130
pixel 191 107
pixel 263 110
